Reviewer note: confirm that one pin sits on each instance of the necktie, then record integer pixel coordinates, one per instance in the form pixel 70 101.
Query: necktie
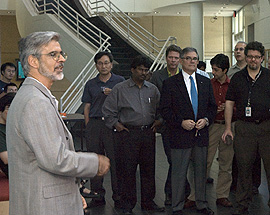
pixel 194 96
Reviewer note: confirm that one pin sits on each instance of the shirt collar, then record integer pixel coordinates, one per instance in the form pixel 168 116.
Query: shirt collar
pixel 186 75
pixel 132 83
pixel 169 73
pixel 227 81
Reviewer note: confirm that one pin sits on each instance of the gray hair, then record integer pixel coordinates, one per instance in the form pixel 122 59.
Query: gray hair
pixel 241 42
pixel 187 50
pixel 31 45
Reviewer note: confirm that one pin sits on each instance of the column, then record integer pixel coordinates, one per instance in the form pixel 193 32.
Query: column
pixel 196 27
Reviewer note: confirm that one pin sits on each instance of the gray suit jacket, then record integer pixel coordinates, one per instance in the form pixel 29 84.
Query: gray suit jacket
pixel 43 165
pixel 158 77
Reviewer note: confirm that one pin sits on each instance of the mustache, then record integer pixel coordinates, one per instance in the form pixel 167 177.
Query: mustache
pixel 61 65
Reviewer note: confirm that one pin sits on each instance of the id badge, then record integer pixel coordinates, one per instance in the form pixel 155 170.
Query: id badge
pixel 248 111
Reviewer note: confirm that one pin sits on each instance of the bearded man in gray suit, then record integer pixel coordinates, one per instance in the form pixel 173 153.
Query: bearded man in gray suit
pixel 43 165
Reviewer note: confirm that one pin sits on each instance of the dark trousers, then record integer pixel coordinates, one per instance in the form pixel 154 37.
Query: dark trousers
pixel 250 138
pixel 136 147
pixel 256 173
pixel 180 161
pixel 167 149
pixel 99 139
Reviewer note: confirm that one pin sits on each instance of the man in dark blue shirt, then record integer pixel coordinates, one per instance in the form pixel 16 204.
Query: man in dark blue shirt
pixel 98 137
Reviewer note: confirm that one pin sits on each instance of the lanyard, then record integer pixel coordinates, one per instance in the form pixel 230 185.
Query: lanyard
pixel 251 86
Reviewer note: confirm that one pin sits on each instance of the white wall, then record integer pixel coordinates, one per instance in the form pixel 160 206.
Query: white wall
pixel 7 4
pixel 261 19
pixel 79 53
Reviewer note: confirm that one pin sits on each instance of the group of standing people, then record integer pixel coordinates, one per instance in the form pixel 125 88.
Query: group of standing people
pixel 195 116
pixel 190 115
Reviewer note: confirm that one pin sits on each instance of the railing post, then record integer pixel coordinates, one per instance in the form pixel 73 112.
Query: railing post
pixel 45 7
pixel 77 26
pixel 100 39
pixel 58 10
pixel 128 28
pixel 61 105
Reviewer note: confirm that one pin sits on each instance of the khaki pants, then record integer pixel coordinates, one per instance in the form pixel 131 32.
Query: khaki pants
pixel 225 157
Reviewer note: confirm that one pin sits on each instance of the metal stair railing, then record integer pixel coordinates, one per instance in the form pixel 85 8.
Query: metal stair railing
pixel 83 29
pixel 142 39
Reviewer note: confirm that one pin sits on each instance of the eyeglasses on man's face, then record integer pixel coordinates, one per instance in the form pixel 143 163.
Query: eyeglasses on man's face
pixel 256 57
pixel 55 55
pixel 106 63
pixel 239 49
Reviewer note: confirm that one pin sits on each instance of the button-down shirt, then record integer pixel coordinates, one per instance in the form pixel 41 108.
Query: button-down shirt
pixel 131 105
pixel 234 69
pixel 220 91
pixel 187 82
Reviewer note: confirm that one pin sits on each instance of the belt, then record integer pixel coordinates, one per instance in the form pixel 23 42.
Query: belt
pixel 138 127
pixel 220 122
pixel 256 121
pixel 97 118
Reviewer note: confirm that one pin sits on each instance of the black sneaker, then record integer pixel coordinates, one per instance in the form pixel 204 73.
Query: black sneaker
pixel 127 211
pixel 96 203
pixel 152 207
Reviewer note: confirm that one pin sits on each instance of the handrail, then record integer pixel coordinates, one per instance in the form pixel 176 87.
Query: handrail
pixel 84 30
pixel 139 37
pixel 142 39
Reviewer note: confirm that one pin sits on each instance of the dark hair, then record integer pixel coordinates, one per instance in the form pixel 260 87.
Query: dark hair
pixel 6 100
pixel 101 54
pixel 4 66
pixel 255 45
pixel 140 60
pixel 173 48
pixel 200 64
pixel 187 50
pixel 10 84
pixel 221 61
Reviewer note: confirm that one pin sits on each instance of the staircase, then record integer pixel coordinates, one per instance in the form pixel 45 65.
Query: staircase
pixel 129 39
pixel 121 50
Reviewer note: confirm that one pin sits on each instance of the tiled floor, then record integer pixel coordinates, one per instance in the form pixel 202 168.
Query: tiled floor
pixel 258 207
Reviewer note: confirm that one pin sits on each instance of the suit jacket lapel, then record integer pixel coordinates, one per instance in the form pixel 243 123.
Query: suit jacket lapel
pixel 164 74
pixel 47 94
pixel 200 83
pixel 182 88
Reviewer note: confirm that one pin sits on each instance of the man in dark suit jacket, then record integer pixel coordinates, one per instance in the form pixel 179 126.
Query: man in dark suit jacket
pixel 188 115
pixel 172 58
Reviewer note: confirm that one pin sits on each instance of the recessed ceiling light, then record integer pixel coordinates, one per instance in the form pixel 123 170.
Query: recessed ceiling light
pixel 178 12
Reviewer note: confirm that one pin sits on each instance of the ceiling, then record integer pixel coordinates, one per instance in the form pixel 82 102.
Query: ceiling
pixel 210 7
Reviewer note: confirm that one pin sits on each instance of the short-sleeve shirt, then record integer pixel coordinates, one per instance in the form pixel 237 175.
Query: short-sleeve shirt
pixel 242 85
pixel 131 105
pixel 3 145
pixel 93 93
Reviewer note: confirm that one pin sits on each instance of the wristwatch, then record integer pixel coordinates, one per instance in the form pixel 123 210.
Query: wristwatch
pixel 207 121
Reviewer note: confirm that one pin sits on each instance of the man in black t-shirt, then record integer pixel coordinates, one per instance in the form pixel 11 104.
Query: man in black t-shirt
pixel 7 71
pixel 249 91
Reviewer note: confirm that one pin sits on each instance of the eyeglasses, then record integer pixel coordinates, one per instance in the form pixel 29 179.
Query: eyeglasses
pixel 56 55
pixel 256 57
pixel 190 59
pixel 106 63
pixel 239 49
